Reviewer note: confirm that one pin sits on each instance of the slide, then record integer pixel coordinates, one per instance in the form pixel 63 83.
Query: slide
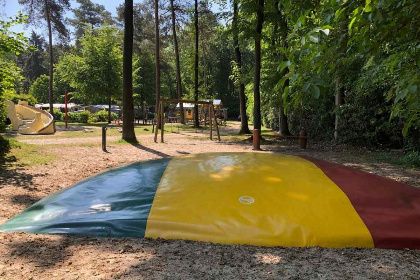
pixel 29 120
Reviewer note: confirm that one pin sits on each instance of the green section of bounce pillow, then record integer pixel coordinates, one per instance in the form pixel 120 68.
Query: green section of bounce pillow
pixel 115 203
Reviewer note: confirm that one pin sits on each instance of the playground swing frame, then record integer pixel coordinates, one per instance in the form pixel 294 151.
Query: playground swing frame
pixel 160 116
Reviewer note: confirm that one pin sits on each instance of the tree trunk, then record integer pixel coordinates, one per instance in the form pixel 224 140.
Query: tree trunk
pixel 257 76
pixel 204 70
pixel 283 125
pixel 242 106
pixel 128 133
pixel 178 67
pixel 50 50
pixel 196 120
pixel 109 109
pixel 339 100
pixel 157 59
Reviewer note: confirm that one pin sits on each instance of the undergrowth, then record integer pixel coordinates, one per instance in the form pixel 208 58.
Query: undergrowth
pixel 408 160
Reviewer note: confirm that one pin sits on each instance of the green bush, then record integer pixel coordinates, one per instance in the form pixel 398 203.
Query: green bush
pixel 84 116
pixel 73 117
pixel 58 115
pixel 102 116
pixel 93 118
pixel 3 114
pixel 15 97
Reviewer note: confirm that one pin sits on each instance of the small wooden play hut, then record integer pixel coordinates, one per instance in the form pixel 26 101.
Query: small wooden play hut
pixel 221 113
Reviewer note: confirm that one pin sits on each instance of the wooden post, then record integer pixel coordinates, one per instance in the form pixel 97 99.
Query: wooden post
pixel 205 116
pixel 303 139
pixel 256 140
pixel 215 122
pixel 162 120
pixel 157 114
pixel 104 138
pixel 210 123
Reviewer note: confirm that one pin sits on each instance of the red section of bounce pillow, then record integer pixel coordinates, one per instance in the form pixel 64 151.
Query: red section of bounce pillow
pixel 390 210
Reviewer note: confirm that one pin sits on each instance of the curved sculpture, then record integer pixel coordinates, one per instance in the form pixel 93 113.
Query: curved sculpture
pixel 29 120
pixel 235 198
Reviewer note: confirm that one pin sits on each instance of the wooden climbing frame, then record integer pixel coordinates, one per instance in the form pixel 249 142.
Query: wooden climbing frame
pixel 160 116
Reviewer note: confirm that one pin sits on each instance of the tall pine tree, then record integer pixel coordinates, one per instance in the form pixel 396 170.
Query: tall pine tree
pixel 52 11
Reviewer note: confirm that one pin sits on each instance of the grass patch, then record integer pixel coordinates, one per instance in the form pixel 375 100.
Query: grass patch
pixel 409 160
pixel 86 145
pixel 98 124
pixel 120 142
pixel 22 154
pixel 125 142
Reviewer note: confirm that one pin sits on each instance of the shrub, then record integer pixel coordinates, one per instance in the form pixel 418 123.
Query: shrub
pixel 58 115
pixel 73 117
pixel 410 159
pixel 93 118
pixel 84 116
pixel 2 116
pixel 102 116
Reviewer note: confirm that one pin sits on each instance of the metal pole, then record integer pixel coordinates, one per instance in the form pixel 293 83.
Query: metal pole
pixel 104 138
pixel 65 99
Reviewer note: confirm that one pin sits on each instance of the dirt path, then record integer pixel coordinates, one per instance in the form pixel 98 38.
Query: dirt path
pixel 25 256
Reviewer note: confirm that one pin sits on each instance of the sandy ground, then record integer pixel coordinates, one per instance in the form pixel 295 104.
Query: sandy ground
pixel 24 256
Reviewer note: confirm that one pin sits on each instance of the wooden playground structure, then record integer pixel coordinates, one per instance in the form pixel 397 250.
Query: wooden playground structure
pixel 203 112
pixel 160 116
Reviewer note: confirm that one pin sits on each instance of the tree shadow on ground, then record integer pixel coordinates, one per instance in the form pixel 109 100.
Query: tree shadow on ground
pixel 9 174
pixel 42 251
pixel 150 150
pixel 24 199
pixel 177 259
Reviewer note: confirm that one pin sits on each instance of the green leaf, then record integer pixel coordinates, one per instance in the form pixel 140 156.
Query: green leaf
pixel 325 31
pixel 378 16
pixel 412 88
pixel 368 8
pixel 283 65
pixel 314 38
pixel 315 91
pixel 280 84
pixel 351 23
pixel 401 95
pixel 408 124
